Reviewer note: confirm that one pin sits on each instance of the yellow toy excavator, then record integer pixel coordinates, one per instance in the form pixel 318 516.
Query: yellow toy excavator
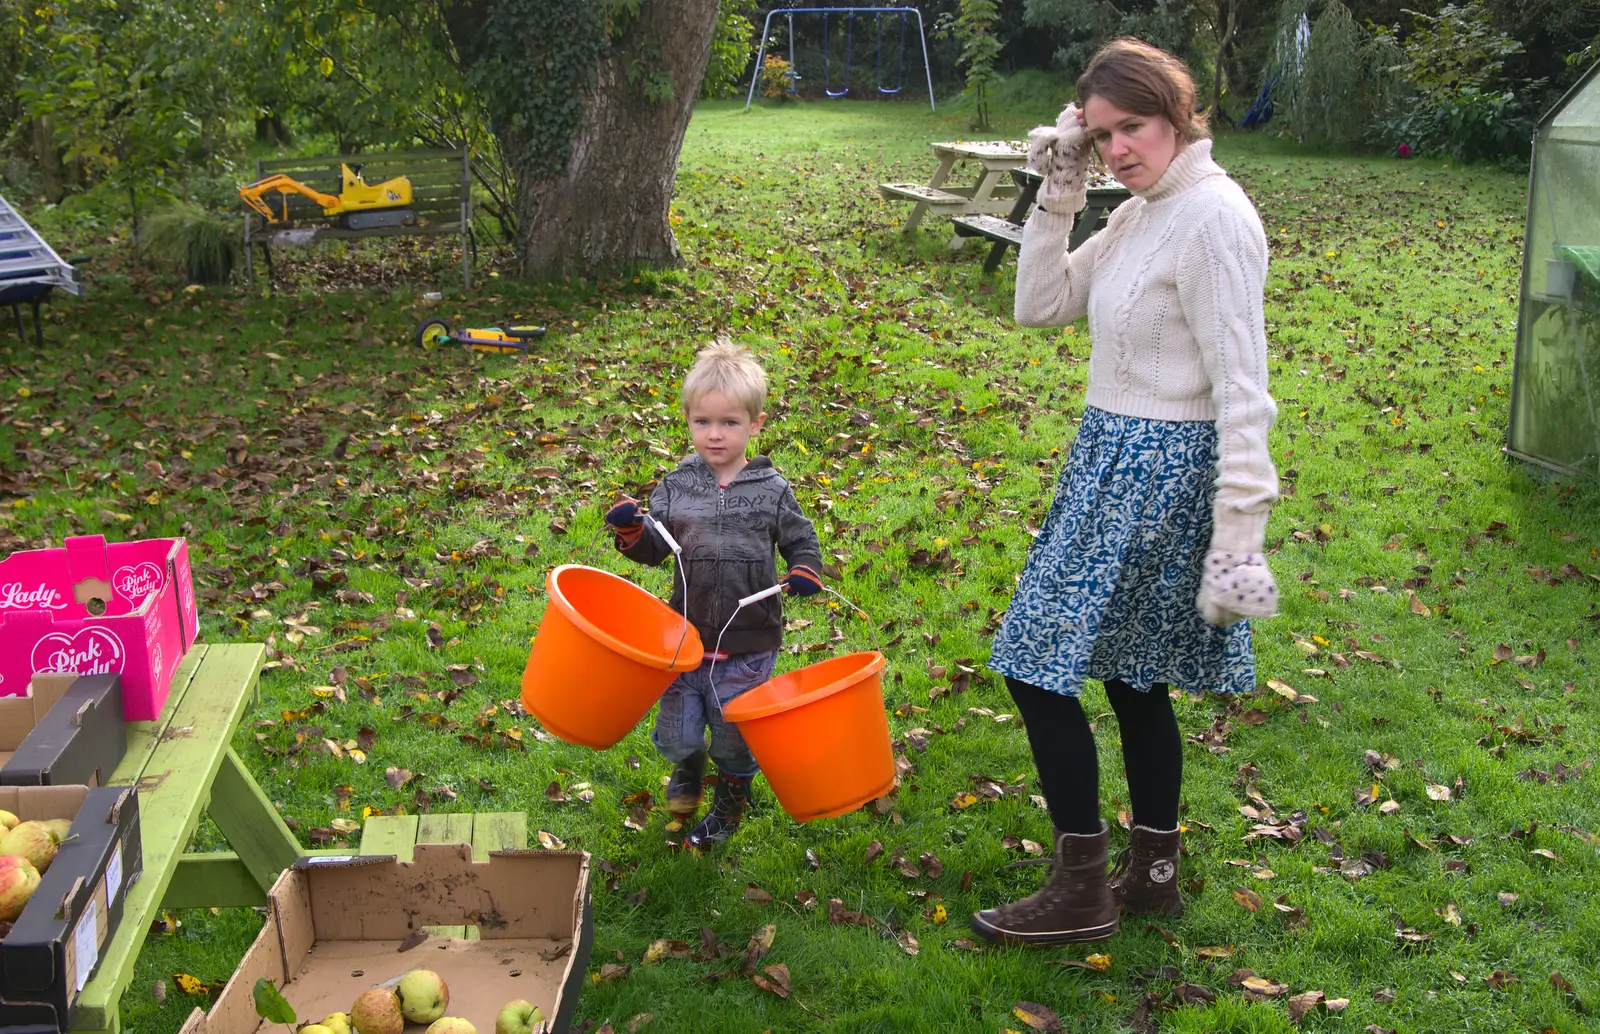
pixel 359 206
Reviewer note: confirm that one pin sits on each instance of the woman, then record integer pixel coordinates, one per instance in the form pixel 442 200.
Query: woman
pixel 1151 558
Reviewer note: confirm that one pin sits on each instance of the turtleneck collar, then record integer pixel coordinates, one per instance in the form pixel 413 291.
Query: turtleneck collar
pixel 1190 166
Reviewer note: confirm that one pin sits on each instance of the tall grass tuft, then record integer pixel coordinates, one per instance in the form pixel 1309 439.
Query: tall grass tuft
pixel 191 239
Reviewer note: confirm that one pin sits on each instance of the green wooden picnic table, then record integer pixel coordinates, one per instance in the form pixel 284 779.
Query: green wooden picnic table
pixel 184 766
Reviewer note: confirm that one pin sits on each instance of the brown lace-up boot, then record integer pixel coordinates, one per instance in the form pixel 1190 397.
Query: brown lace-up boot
pixel 1075 903
pixel 1145 880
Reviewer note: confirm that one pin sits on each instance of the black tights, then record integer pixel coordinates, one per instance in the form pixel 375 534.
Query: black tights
pixel 1069 772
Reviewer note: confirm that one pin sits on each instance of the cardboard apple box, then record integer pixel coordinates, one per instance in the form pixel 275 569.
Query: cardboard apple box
pixel 92 608
pixel 67 729
pixel 339 926
pixel 54 947
pixel 20 714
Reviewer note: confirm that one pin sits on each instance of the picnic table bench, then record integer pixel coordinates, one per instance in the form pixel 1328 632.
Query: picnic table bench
pixel 1007 231
pixel 990 193
pixel 441 184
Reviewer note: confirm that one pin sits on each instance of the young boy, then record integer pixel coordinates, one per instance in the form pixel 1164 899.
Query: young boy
pixel 727 513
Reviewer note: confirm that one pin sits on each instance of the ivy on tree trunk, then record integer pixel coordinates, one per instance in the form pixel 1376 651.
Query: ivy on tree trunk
pixel 590 100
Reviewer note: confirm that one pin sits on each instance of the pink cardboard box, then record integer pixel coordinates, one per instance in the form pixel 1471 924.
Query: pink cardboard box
pixel 93 608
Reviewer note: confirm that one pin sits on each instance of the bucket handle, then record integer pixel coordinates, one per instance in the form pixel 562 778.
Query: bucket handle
pixel 677 566
pixel 774 590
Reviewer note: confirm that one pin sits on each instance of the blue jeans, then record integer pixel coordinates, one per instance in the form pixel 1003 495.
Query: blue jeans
pixel 688 707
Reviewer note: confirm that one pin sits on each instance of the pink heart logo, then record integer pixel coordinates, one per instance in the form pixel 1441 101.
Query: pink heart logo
pixel 137 582
pixel 92 651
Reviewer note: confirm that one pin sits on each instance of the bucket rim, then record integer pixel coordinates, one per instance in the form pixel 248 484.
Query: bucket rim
pixel 740 709
pixel 689 657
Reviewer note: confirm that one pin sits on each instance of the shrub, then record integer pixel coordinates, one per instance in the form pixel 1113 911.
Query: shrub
pixel 188 238
pixel 776 82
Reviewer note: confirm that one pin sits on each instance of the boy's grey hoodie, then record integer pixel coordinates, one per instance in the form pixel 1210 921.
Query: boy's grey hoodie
pixel 728 535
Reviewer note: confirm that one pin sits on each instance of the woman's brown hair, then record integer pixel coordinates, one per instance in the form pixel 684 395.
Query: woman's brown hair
pixel 1144 80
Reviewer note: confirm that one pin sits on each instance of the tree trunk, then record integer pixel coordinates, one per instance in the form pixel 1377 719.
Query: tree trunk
pixel 51 176
pixel 608 209
pixel 1226 37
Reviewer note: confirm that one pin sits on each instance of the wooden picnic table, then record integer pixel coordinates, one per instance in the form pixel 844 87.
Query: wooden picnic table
pixel 990 194
pixel 1104 195
pixel 183 765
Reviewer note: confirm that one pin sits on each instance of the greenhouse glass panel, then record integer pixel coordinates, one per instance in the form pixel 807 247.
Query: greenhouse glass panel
pixel 1555 396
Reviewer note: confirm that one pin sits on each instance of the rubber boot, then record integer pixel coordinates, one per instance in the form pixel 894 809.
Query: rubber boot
pixel 1145 879
pixel 685 791
pixel 1074 905
pixel 732 799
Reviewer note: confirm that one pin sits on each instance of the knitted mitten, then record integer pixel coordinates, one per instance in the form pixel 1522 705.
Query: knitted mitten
pixel 1236 586
pixel 1061 153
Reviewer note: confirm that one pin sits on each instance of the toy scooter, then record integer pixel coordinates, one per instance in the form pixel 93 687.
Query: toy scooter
pixel 434 332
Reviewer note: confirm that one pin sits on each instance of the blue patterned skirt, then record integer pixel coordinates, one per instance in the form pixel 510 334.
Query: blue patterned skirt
pixel 1109 588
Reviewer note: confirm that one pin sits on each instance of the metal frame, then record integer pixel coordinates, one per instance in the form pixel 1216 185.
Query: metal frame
pixel 1539 131
pixel 790 12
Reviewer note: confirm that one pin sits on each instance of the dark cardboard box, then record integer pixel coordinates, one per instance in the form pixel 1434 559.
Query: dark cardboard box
pixel 54 947
pixel 74 734
pixel 335 927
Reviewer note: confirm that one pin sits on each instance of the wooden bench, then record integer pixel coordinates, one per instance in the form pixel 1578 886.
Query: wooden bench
pixel 486 831
pixel 441 184
pixel 1008 231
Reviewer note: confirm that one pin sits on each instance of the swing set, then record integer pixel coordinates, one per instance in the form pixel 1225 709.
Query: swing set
pixel 849 15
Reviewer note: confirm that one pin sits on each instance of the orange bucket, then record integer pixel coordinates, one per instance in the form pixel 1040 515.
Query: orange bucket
pixel 605 651
pixel 821 735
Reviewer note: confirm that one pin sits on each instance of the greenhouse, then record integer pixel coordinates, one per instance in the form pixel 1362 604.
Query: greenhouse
pixel 1555 393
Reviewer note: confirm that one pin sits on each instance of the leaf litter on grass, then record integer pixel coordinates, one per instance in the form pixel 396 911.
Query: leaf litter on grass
pixel 1390 363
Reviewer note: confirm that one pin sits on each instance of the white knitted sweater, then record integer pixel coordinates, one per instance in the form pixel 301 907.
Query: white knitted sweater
pixel 1173 287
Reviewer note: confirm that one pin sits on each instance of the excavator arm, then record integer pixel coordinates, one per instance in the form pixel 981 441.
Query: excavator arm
pixel 254 195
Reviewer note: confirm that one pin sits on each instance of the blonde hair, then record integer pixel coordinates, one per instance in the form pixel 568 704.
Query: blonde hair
pixel 731 369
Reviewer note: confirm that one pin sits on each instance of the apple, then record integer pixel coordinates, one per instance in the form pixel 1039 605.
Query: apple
pixel 18 880
pixel 424 996
pixel 313 1028
pixel 62 827
pixel 7 820
pixel 377 1012
pixel 451 1025
pixel 34 841
pixel 337 1023
pixel 518 1017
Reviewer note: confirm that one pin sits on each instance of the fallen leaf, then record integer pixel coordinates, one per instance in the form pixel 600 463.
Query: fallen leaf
pixel 1438 792
pixel 1248 899
pixel 551 842
pixel 775 981
pixel 610 973
pixel 1038 1017
pixel 1263 987
pixel 760 942
pixel 908 943
pixel 1302 1003
pixel 757 894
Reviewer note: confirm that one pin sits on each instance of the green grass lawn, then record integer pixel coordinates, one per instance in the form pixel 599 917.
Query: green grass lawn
pixel 346 495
